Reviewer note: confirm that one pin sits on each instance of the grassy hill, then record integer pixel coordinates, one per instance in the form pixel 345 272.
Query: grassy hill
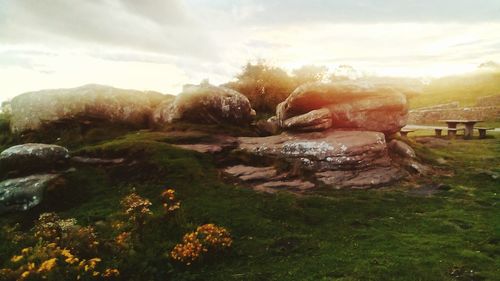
pixel 462 88
pixel 381 234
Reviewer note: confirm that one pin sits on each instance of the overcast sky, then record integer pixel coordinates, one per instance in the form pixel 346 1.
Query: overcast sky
pixel 163 44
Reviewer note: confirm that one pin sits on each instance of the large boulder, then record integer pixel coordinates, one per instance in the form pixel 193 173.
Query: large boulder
pixel 337 158
pixel 21 194
pixel 206 104
pixel 31 157
pixel 32 110
pixel 346 104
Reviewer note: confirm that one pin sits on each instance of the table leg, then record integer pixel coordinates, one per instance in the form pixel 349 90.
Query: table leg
pixel 469 129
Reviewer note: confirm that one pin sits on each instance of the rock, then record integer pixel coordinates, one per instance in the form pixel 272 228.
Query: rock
pixel 297 186
pixel 206 104
pixel 361 179
pixel 31 157
pixel 200 147
pixel 319 151
pixel 21 194
pixel 248 173
pixel 97 161
pixel 163 111
pixel 402 149
pixel 214 144
pixel 346 104
pixel 267 179
pixel 341 159
pixel 31 110
pixel 314 120
pixel 268 127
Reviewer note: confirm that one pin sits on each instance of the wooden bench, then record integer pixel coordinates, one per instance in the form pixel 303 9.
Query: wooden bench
pixel 404 132
pixel 452 132
pixel 482 131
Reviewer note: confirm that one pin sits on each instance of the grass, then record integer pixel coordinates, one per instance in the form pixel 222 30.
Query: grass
pixel 465 89
pixel 381 234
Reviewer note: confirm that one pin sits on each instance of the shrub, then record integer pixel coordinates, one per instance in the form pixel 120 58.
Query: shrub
pixel 207 239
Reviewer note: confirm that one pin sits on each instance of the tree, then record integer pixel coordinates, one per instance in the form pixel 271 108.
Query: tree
pixel 264 85
pixel 309 73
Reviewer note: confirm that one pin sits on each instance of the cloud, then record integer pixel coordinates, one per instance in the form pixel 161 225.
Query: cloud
pixel 151 26
pixel 265 12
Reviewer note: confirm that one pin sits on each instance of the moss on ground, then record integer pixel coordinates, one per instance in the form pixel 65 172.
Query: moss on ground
pixel 380 234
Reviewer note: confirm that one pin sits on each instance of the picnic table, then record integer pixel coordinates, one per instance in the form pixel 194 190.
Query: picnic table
pixel 469 126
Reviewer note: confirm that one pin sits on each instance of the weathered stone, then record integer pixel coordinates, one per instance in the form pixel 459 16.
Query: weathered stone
pixel 163 111
pixel 201 147
pixel 249 173
pixel 297 186
pixel 31 110
pixel 327 150
pixel 347 104
pixel 366 178
pixel 402 149
pixel 97 161
pixel 206 104
pixel 30 157
pixel 21 194
pixel 314 120
pixel 268 127
pixel 215 144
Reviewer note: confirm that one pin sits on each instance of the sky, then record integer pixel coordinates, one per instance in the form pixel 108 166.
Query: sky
pixel 163 44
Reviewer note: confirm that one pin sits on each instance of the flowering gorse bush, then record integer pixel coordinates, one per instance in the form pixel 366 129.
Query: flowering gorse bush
pixel 136 208
pixel 207 239
pixel 50 261
pixel 169 201
pixel 60 249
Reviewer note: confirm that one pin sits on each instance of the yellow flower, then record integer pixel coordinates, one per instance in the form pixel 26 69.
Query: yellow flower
pixel 31 266
pixel 25 251
pixel 47 265
pixel 66 253
pixel 16 258
pixel 25 274
pixel 111 272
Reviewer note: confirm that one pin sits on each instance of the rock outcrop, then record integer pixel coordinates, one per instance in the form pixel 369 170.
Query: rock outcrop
pixel 321 151
pixel 30 157
pixel 268 179
pixel 206 104
pixel 346 104
pixel 31 110
pixel 337 158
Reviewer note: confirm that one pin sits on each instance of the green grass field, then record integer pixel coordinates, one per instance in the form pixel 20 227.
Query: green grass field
pixel 392 233
pixel 462 88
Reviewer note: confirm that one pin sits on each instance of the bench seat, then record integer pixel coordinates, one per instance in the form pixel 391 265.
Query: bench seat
pixel 404 132
pixel 482 131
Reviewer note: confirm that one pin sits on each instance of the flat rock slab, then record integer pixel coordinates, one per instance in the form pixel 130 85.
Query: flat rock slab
pixel 97 161
pixel 216 144
pixel 296 186
pixel 267 179
pixel 249 173
pixel 321 151
pixel 21 194
pixel 361 179
pixel 200 147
